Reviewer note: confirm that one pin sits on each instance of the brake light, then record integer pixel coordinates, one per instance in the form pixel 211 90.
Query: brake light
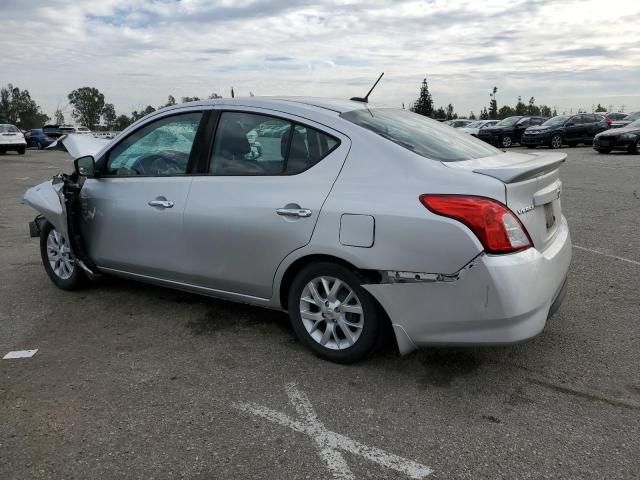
pixel 497 228
pixel 609 121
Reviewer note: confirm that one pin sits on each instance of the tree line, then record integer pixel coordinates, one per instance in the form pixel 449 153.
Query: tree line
pixel 424 106
pixel 89 108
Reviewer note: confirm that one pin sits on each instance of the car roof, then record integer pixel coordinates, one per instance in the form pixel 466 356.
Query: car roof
pixel 311 103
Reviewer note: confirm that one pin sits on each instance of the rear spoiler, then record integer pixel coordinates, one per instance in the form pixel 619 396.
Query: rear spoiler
pixel 539 165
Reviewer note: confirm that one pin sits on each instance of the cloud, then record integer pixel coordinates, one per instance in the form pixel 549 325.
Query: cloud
pixel 139 51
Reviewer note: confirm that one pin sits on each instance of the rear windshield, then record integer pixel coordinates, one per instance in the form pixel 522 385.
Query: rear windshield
pixel 7 128
pixel 424 136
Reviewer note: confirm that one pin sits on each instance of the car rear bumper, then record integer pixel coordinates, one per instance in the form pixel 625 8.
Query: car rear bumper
pixel 7 144
pixel 501 299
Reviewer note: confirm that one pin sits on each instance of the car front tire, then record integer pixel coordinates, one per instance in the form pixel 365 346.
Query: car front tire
pixel 506 141
pixel 556 141
pixel 332 314
pixel 58 261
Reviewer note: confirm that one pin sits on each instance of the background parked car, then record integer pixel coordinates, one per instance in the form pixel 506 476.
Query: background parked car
pixel 565 130
pixel 632 117
pixel 37 138
pixel 52 131
pixel 614 116
pixel 11 138
pixel 458 123
pixel 474 127
pixel 508 131
pixel 625 138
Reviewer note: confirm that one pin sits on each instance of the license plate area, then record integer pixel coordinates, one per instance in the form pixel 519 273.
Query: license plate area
pixel 549 217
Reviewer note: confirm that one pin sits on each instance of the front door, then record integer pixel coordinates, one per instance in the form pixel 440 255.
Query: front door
pixel 132 213
pixel 268 178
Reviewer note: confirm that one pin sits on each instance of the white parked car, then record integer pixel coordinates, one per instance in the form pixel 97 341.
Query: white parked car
pixel 67 129
pixel 353 219
pixel 11 138
pixel 474 127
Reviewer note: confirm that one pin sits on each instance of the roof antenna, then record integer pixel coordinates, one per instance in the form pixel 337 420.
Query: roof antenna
pixel 232 94
pixel 366 97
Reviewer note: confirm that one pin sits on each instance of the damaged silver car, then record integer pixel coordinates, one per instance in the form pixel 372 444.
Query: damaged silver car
pixel 352 218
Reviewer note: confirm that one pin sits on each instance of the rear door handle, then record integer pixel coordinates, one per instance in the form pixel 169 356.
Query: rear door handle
pixel 294 212
pixel 161 203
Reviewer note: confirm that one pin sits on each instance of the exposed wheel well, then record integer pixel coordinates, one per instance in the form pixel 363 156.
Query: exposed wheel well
pixel 370 276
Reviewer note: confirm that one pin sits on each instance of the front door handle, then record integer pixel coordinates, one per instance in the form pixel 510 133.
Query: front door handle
pixel 161 203
pixel 294 212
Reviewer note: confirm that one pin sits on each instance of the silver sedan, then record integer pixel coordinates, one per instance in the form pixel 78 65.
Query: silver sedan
pixel 360 221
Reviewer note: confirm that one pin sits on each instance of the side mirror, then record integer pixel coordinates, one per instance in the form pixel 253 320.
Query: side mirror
pixel 85 166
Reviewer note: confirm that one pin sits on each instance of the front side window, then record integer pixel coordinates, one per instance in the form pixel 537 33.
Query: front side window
pixel 160 148
pixel 421 135
pixel 577 120
pixel 254 144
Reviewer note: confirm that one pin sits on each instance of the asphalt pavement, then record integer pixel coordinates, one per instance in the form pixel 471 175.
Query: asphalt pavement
pixel 136 381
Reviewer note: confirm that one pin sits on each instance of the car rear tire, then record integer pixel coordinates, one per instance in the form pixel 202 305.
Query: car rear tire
pixel 556 141
pixel 58 261
pixel 332 314
pixel 506 141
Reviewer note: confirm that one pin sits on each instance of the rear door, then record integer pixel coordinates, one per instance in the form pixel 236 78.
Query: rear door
pixel 268 177
pixel 132 213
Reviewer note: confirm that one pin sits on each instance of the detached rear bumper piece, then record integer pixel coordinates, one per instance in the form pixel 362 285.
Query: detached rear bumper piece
pixel 500 299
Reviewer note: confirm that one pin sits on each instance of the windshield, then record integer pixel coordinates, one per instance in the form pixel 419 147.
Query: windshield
pixel 559 120
pixel 507 122
pixel 424 136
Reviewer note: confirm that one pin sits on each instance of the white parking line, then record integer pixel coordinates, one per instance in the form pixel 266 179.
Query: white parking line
pixel 20 354
pixel 329 443
pixel 622 259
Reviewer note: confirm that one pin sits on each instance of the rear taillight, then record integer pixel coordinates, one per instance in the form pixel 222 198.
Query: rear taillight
pixel 497 228
pixel 608 120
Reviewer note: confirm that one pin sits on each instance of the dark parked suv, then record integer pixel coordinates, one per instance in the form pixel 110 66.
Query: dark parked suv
pixel 565 130
pixel 508 131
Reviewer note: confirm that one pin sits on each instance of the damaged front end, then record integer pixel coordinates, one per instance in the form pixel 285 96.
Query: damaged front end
pixel 58 202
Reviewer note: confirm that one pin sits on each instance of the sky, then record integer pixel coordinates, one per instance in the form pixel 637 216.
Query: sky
pixel 568 53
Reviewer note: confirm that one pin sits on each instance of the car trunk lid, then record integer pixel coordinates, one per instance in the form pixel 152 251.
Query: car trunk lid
pixel 532 188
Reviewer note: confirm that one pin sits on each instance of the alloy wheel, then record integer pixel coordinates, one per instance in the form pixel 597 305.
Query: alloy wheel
pixel 556 141
pixel 59 255
pixel 506 141
pixel 331 313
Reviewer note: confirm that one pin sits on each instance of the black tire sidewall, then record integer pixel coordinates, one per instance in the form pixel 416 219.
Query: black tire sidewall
pixel 551 141
pixel 75 281
pixel 502 141
pixel 368 340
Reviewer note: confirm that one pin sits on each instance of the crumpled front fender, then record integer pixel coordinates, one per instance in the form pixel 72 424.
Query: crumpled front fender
pixel 47 199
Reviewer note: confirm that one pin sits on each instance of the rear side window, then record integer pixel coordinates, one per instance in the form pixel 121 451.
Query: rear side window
pixel 254 144
pixel 421 135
